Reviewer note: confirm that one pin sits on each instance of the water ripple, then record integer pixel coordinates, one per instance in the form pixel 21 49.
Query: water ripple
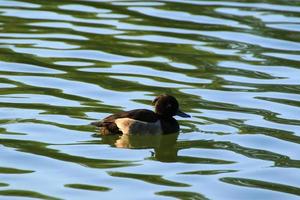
pixel 233 66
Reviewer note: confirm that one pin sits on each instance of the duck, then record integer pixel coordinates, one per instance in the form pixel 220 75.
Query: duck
pixel 144 121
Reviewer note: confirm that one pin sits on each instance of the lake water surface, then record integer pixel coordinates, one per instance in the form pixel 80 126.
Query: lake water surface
pixel 233 65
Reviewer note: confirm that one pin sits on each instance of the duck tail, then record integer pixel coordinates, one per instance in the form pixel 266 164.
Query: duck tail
pixel 98 124
pixel 107 128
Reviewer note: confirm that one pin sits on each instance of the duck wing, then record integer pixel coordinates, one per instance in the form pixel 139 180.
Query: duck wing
pixel 137 114
pixel 108 126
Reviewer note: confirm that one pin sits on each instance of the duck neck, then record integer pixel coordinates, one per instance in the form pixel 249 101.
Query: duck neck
pixel 165 117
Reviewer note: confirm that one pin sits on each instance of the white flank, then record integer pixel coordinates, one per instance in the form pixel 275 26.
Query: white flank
pixel 132 126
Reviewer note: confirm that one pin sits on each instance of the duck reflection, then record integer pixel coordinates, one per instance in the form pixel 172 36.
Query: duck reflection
pixel 164 146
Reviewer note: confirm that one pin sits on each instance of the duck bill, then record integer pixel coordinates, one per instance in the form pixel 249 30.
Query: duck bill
pixel 182 114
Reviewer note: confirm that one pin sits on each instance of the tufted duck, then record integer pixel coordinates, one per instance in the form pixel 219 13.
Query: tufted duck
pixel 144 121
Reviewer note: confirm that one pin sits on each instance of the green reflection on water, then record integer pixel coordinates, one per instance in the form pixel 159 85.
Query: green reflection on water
pixel 154 179
pixel 39 148
pixel 26 193
pixel 88 187
pixel 6 170
pixel 262 185
pixel 3 184
pixel 183 195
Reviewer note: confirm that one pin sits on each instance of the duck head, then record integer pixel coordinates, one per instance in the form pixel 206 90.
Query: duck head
pixel 167 106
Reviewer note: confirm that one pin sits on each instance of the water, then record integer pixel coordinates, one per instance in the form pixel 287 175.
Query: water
pixel 233 65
